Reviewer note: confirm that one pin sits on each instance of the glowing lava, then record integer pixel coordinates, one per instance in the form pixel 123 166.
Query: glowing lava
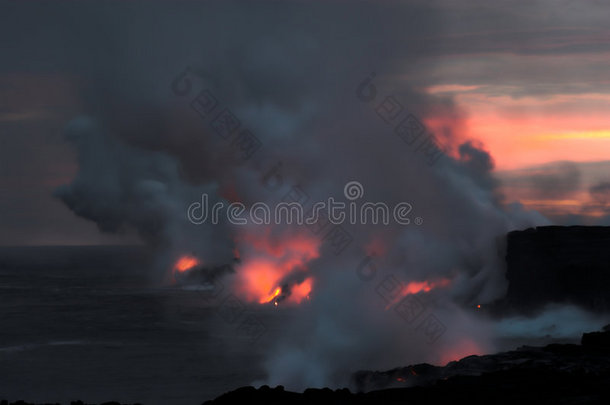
pixel 275 294
pixel 416 287
pixel 185 263
pixel 267 264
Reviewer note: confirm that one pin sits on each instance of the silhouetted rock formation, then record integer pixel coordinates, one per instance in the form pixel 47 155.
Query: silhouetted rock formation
pixel 558 264
pixel 597 340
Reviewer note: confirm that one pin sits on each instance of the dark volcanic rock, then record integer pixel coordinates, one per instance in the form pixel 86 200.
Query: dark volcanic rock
pixel 597 340
pixel 560 357
pixel 558 264
pixel 570 374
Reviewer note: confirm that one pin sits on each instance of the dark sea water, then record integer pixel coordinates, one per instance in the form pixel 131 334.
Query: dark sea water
pixel 89 323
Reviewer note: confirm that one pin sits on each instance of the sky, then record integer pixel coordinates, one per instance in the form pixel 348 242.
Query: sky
pixel 526 81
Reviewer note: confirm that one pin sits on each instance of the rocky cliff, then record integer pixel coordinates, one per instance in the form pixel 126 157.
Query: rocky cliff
pixel 558 264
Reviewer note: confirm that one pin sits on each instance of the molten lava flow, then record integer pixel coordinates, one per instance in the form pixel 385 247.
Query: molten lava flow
pixel 270 298
pixel 267 263
pixel 258 280
pixel 186 263
pixel 416 287
pixel 182 265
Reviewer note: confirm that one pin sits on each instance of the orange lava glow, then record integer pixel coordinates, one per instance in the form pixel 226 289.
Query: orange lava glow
pixel 258 280
pixel 272 296
pixel 403 379
pixel 186 263
pixel 301 291
pixel 267 261
pixel 416 287
pixel 460 350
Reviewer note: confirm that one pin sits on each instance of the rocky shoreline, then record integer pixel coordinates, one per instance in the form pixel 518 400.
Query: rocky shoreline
pixel 556 373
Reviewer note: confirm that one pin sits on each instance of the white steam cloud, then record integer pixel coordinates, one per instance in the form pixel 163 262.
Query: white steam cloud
pixel 290 76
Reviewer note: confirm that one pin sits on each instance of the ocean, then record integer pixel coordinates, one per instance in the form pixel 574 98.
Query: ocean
pixel 89 323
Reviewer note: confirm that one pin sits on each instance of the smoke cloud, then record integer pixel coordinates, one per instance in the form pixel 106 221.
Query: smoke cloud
pixel 290 74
